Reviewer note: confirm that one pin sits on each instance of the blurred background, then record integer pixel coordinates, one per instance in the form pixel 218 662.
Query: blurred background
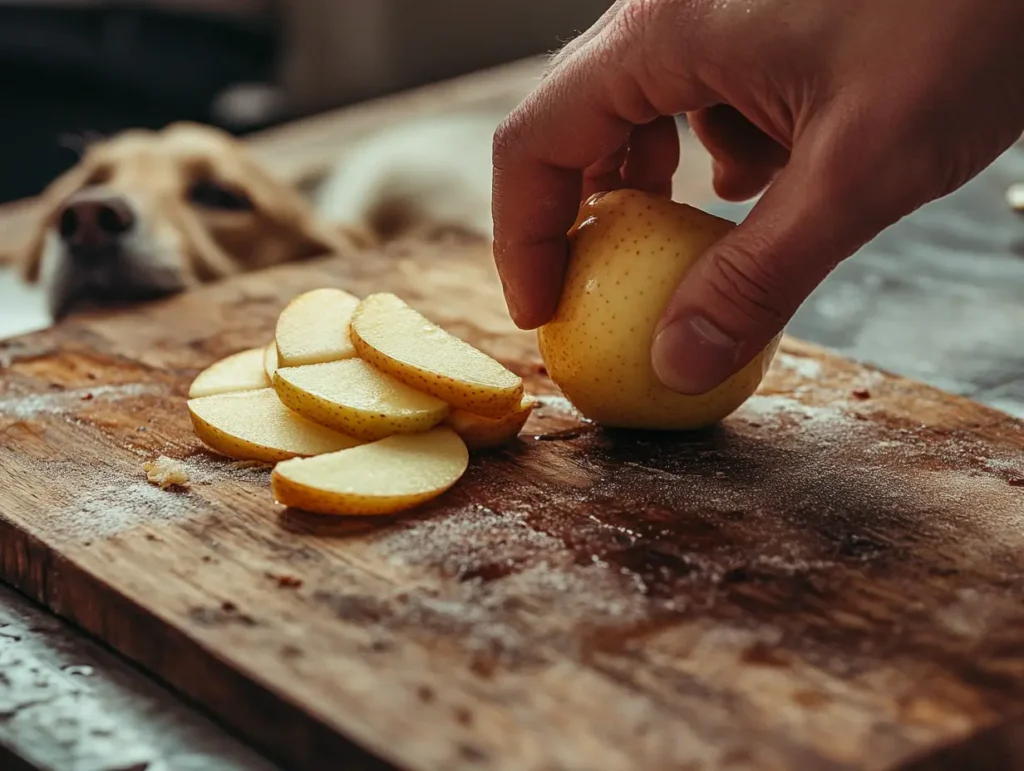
pixel 940 297
pixel 70 69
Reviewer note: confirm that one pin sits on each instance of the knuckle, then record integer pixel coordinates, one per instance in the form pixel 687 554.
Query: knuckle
pixel 635 19
pixel 560 56
pixel 633 25
pixel 574 44
pixel 750 292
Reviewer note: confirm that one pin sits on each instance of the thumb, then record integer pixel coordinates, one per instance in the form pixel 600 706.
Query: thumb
pixel 742 292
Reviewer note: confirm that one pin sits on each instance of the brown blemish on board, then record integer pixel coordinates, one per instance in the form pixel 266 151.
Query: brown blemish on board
pixel 225 614
pixel 425 694
pixel 812 700
pixel 766 655
pixel 285 581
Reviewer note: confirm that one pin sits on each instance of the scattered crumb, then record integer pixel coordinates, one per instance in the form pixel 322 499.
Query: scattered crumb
pixel 1017 482
pixel 228 607
pixel 87 397
pixel 862 393
pixel 286 581
pixel 463 716
pixel 166 472
pixel 207 558
pixel 152 537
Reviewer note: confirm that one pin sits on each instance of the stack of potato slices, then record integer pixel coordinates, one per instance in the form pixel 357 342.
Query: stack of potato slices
pixel 365 406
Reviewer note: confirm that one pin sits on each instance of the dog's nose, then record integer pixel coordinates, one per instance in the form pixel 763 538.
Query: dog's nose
pixel 95 222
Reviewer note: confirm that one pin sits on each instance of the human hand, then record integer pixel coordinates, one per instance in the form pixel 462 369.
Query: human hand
pixel 851 114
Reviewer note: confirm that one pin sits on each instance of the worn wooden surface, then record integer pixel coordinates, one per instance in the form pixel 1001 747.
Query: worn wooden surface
pixel 294 151
pixel 938 297
pixel 832 579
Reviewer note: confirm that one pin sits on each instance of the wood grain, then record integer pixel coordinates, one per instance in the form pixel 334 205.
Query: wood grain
pixel 832 579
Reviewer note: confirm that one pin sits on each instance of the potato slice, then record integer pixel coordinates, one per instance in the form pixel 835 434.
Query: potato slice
pixel 383 477
pixel 400 341
pixel 481 433
pixel 270 360
pixel 255 425
pixel 313 328
pixel 355 398
pixel 239 372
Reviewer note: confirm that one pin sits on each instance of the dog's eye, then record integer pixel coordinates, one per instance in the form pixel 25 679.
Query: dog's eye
pixel 99 176
pixel 212 195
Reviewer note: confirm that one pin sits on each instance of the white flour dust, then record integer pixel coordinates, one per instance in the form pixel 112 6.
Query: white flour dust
pixel 60 402
pixel 108 505
pixel 808 369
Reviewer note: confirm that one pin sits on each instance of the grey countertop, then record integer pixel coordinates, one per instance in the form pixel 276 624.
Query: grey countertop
pixel 939 297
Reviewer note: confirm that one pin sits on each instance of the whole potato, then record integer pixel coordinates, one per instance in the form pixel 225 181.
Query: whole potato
pixel 628 252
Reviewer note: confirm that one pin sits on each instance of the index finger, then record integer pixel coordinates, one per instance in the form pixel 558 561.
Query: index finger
pixel 583 112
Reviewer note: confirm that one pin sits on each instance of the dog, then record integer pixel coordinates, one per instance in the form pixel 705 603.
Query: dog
pixel 426 177
pixel 150 213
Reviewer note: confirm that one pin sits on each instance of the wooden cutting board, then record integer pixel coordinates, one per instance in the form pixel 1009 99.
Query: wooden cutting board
pixel 833 578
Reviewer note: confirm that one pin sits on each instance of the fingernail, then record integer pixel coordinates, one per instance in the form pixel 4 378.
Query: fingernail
pixel 692 355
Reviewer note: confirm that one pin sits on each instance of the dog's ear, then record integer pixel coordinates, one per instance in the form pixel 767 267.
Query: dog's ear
pixel 49 203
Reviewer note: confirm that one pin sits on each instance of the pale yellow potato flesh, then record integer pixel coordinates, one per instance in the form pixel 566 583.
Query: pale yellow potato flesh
pixel 241 371
pixel 355 398
pixel 384 477
pixel 400 341
pixel 255 425
pixel 270 360
pixel 314 328
pixel 481 433
pixel 628 252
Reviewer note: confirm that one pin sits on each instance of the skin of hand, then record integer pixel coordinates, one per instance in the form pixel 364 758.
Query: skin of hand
pixel 846 114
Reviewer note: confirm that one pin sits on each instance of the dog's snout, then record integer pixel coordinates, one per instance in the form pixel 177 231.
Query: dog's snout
pixel 95 222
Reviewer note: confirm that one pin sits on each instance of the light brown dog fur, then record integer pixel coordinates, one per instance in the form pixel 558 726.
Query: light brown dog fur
pixel 197 207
